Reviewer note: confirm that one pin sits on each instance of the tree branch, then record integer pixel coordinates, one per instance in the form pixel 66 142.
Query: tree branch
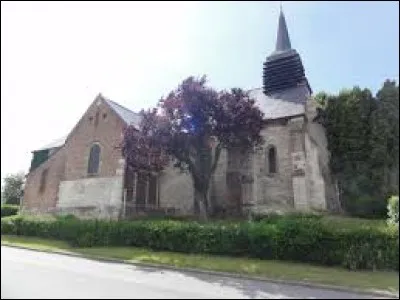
pixel 189 162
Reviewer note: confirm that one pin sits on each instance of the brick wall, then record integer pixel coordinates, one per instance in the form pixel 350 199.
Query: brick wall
pixel 107 132
pixel 70 163
pixel 41 201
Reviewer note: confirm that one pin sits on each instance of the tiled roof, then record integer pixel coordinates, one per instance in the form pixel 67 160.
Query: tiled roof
pixel 286 104
pixel 280 105
pixel 54 144
pixel 130 117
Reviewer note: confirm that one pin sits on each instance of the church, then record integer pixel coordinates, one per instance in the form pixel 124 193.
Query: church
pixel 85 174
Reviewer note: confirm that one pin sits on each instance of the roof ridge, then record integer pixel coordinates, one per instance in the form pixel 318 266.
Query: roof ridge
pixel 123 107
pixel 253 89
pixel 127 115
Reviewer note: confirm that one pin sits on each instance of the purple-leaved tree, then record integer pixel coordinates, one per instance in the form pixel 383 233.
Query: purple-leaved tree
pixel 190 127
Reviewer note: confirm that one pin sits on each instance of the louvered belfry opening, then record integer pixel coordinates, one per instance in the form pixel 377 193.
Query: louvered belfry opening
pixel 283 72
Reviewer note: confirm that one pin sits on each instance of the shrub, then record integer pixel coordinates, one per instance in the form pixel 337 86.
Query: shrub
pixel 366 206
pixel 295 238
pixel 66 217
pixel 393 210
pixel 9 210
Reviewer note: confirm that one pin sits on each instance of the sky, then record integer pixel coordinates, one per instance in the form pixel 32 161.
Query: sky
pixel 57 56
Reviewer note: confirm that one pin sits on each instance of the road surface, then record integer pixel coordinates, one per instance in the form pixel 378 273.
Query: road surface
pixel 31 274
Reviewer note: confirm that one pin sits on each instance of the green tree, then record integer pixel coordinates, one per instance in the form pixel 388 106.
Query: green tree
pixel 387 117
pixel 363 139
pixel 13 188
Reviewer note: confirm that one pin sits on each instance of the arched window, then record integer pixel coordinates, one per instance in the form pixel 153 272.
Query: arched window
pixel 272 160
pixel 94 159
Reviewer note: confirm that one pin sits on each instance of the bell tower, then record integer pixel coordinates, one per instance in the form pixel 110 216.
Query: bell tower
pixel 283 69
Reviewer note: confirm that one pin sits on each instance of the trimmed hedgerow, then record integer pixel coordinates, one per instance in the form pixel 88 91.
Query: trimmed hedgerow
pixel 9 210
pixel 302 239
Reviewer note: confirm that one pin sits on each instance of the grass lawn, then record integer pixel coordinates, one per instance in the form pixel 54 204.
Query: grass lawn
pixel 367 280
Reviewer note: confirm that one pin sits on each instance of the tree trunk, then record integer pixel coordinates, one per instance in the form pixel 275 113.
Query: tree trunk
pixel 200 204
pixel 202 169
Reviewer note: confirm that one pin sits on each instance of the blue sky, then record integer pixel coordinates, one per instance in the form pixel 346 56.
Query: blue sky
pixel 341 43
pixel 57 56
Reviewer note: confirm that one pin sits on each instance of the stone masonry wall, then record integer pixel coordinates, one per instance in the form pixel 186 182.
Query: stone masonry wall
pixel 299 158
pixel 322 190
pixel 176 191
pixel 274 191
pixel 91 197
pixel 218 190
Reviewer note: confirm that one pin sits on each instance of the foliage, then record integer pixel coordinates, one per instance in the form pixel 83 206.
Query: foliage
pixel 13 189
pixel 393 210
pixel 192 125
pixel 302 239
pixel 9 210
pixel 66 217
pixel 363 139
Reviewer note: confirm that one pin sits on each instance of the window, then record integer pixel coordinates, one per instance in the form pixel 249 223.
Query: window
pixel 141 186
pixel 43 179
pixel 147 190
pixel 94 159
pixel 152 196
pixel 272 160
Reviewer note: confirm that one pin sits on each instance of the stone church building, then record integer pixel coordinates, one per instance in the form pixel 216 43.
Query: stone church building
pixel 84 173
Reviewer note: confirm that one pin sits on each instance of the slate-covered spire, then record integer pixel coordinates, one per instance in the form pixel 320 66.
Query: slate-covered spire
pixel 282 37
pixel 283 69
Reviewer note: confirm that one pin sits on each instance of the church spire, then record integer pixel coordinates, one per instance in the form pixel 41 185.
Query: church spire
pixel 283 69
pixel 282 38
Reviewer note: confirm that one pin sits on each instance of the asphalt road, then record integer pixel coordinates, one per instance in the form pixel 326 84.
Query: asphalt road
pixel 32 274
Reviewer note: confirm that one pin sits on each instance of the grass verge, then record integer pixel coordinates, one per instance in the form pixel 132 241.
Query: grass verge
pixel 366 280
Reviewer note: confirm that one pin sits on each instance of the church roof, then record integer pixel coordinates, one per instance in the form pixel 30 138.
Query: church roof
pixel 130 117
pixel 54 144
pixel 280 105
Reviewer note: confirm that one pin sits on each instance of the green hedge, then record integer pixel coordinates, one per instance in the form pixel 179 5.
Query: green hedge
pixel 299 239
pixel 9 210
pixel 393 210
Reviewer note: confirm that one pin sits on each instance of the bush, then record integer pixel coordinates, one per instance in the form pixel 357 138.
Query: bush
pixel 294 238
pixel 393 210
pixel 273 217
pixel 366 206
pixel 9 210
pixel 66 217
